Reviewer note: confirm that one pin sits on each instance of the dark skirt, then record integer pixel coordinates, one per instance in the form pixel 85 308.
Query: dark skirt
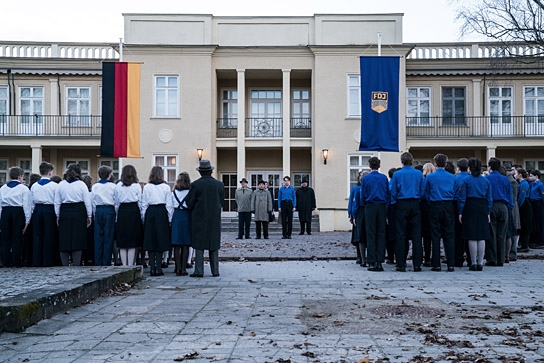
pixel 511 229
pixel 72 227
pixel 361 230
pixel 181 227
pixel 475 221
pixel 156 229
pixel 130 229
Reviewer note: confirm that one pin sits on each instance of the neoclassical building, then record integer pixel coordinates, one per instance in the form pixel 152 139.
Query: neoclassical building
pixel 265 97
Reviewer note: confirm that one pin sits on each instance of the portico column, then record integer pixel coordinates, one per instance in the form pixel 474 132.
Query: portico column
pixel 490 153
pixel 286 125
pixel 241 131
pixel 36 158
pixel 477 96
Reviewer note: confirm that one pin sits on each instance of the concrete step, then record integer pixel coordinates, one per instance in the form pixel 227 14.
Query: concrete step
pixel 229 224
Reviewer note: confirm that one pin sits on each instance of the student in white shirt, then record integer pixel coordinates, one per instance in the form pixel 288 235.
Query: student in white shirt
pixel 15 213
pixel 44 221
pixel 103 199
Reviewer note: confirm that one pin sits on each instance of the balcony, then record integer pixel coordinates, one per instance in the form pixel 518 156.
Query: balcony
pixel 475 126
pixel 50 126
pixel 264 127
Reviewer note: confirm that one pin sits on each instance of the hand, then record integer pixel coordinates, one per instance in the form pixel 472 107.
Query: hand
pixel 57 221
pixel 294 209
pixel 89 221
pixel 279 209
pixel 24 229
pixel 460 218
pixel 488 218
pixel 354 222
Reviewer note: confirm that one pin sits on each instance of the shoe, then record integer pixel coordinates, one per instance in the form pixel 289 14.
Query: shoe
pixel 301 233
pixel 288 237
pixel 507 260
pixel 152 273
pixel 164 265
pixel 491 264
pixel 436 269
pixel 522 250
pixel 479 267
pixel 473 268
pixel 196 275
pixel 310 233
pixel 248 237
pixel 427 264
pixel 266 238
pixel 390 262
pixel 513 259
pixel 257 237
pixel 400 269
pixel 417 269
pixel 364 265
pixel 375 269
pixel 189 265
pixel 284 237
pixel 451 269
pixel 359 261
pixel 215 275
pixel 160 273
pixel 239 238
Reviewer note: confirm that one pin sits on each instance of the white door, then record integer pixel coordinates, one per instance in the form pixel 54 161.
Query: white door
pixel 31 111
pixel 501 122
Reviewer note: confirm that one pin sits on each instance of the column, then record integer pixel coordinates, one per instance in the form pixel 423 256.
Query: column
pixel 241 136
pixel 490 153
pixel 36 158
pixel 286 125
pixel 477 96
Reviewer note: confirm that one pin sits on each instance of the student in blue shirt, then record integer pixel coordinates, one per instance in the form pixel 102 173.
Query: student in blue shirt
pixel 525 209
pixel 536 195
pixel 461 245
pixel 287 204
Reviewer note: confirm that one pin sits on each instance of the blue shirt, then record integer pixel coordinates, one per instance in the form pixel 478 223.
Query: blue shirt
pixel 501 190
pixel 407 183
pixel 537 190
pixel 477 188
pixel 287 194
pixel 439 186
pixel 375 189
pixel 354 191
pixel 523 192
pixel 357 202
pixel 458 182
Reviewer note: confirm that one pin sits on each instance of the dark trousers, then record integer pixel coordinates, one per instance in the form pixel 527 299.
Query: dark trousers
pixel 442 223
pixel 495 249
pixel 408 214
pixel 12 224
pixel 461 245
pixel 375 223
pixel 264 226
pixel 526 223
pixel 244 221
pixel 199 262
pixel 287 217
pixel 104 229
pixel 45 236
pixel 537 235
pixel 305 226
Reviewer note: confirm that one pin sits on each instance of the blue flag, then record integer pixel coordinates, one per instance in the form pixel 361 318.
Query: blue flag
pixel 379 104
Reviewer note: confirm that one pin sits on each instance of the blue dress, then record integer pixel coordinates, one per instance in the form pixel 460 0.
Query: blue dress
pixel 181 220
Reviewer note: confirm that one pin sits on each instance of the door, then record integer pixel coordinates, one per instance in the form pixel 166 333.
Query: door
pixel 501 122
pixel 273 178
pixel 31 107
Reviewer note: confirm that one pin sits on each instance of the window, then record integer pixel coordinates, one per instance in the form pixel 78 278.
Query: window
pixel 354 96
pixel 166 96
pixel 26 165
pixel 418 106
pixel 297 179
pixel 3 170
pixel 31 107
pixel 169 164
pixel 84 164
pixel 3 105
pixel 78 100
pixel 535 165
pixel 266 113
pixel 534 104
pixel 500 104
pixel 229 109
pixel 356 163
pixel 230 181
pixel 453 106
pixel 113 164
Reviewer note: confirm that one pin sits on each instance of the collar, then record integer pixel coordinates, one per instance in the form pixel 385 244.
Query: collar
pixel 13 183
pixel 43 181
pixel 103 181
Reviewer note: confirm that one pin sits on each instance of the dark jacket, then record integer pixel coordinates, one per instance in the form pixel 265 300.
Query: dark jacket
pixel 305 203
pixel 205 200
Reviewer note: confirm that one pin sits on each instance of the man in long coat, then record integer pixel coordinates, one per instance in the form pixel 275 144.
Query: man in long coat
pixel 205 200
pixel 305 206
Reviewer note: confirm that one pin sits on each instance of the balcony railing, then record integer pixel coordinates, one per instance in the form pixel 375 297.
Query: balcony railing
pixel 475 126
pixel 50 125
pixel 264 127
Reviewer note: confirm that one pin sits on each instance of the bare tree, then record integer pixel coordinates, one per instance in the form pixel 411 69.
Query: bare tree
pixel 506 21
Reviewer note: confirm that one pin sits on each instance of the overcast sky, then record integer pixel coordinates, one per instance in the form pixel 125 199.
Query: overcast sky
pixel 102 20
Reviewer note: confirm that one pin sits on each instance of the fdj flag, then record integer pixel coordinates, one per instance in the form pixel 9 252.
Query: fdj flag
pixel 120 110
pixel 379 103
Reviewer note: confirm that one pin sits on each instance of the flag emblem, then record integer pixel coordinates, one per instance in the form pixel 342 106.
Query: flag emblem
pixel 379 101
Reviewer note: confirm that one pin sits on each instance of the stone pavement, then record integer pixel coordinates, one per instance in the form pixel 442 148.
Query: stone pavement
pixel 309 310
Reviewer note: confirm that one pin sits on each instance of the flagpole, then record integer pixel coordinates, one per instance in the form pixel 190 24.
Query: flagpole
pixel 379 55
pixel 120 49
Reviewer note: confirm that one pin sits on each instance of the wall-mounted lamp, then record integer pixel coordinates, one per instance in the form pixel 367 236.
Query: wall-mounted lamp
pixel 199 153
pixel 325 155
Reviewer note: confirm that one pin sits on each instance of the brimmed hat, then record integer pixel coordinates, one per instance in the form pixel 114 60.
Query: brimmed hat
pixel 262 181
pixel 205 165
pixel 304 180
pixel 244 180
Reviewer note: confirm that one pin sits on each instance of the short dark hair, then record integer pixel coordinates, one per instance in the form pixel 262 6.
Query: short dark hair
pixel 391 171
pixel 374 163
pixel 450 168
pixel 45 168
pixel 419 167
pixel 183 182
pixel 156 175
pixel 475 166
pixel 536 173
pixel 406 158
pixel 440 160
pixel 494 164
pixel 15 172
pixel 523 172
pixel 287 177
pixel 129 175
pixel 462 164
pixel 104 172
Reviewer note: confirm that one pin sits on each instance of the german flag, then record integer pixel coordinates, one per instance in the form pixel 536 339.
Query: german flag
pixel 120 110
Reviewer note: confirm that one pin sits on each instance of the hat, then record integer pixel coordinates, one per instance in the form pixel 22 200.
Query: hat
pixel 205 165
pixel 304 180
pixel 244 180
pixel 262 181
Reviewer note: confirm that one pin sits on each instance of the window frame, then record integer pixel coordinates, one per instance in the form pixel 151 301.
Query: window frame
pixel 4 172
pixel 166 88
pixel 418 118
pixel 31 100
pixel 453 99
pixel 539 114
pixel 298 176
pixel 116 171
pixel 501 99
pixel 27 170
pixel 537 162
pixel 84 171
pixel 229 121
pixel 361 166
pixel 78 119
pixel 6 101
pixel 356 89
pixel 165 167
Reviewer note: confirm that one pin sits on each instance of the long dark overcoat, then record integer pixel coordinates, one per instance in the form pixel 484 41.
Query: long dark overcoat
pixel 305 203
pixel 205 200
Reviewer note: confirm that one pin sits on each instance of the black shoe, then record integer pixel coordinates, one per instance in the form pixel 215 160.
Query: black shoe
pixel 266 238
pixel 363 264
pixel 436 269
pixel 160 273
pixel 301 233
pixel 390 262
pixel 427 264
pixel 309 232
pixel 473 268
pixel 359 261
pixel 417 269
pixel 284 237
pixel 239 238
pixel 288 237
pixel 491 264
pixel 400 269
pixel 248 237
pixel 479 267
pixel 164 265
pixel 152 273
pixel 257 237
pixel 215 275
pixel 196 275
pixel 451 269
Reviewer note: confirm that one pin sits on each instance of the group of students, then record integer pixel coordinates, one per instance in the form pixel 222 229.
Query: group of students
pixel 477 213
pixel 152 218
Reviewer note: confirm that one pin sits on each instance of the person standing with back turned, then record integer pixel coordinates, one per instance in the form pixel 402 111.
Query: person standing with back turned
pixel 305 205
